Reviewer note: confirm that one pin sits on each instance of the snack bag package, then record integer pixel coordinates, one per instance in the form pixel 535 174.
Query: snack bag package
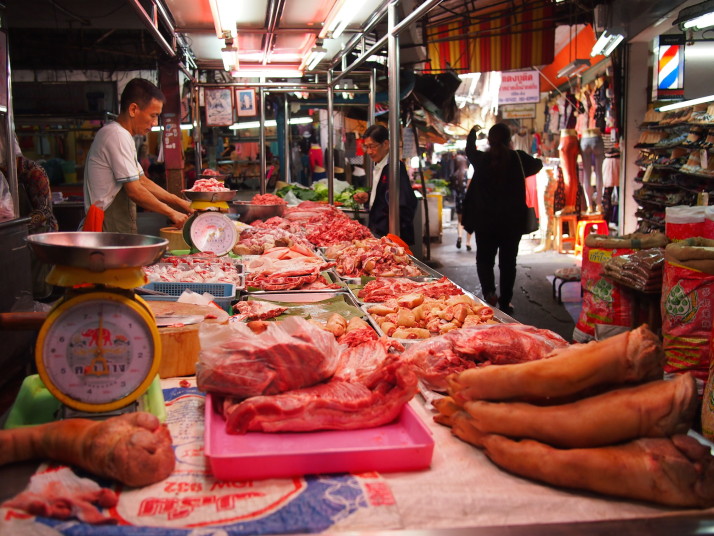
pixel 707 420
pixel 604 302
pixel 682 222
pixel 686 307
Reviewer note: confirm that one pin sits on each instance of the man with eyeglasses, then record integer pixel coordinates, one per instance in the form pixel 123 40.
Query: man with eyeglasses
pixel 376 145
pixel 114 181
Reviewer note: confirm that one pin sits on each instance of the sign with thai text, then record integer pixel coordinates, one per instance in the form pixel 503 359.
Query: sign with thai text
pixel 519 87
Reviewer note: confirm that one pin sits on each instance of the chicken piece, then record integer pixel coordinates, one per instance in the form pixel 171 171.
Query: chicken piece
pixel 410 300
pixel 356 323
pixel 336 324
pixel 630 357
pixel 388 328
pixel 654 409
pixel 411 333
pixel 405 318
pixel 382 309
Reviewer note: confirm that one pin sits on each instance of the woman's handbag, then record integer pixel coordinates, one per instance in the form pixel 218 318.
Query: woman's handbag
pixel 532 223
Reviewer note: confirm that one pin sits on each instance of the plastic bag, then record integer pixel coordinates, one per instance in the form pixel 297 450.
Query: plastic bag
pixel 288 355
pixel 7 210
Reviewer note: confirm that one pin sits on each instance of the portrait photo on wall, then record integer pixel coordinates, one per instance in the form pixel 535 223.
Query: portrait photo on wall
pixel 219 107
pixel 245 102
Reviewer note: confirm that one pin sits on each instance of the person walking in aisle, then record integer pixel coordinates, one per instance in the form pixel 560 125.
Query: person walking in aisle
pixel 114 181
pixel 495 209
pixel 459 184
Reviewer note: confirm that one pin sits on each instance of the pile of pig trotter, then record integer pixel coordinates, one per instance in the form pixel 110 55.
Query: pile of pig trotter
pixel 594 416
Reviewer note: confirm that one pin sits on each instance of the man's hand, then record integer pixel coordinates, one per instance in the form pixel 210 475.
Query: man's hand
pixel 361 197
pixel 178 219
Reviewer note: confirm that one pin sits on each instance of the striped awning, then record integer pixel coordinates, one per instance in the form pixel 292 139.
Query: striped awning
pixel 522 36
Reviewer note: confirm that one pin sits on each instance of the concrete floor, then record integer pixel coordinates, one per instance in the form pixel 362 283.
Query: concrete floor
pixel 532 297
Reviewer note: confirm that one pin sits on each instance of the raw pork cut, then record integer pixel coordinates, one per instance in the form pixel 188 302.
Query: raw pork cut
pixel 385 288
pixel 460 349
pixel 287 355
pixel 336 405
pixel 256 310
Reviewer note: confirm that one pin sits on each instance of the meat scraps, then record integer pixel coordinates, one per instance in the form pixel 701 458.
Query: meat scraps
pixel 460 349
pixel 287 355
pixel 60 494
pixel 256 310
pixel 385 288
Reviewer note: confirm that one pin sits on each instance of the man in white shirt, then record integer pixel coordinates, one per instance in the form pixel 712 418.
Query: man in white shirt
pixel 114 181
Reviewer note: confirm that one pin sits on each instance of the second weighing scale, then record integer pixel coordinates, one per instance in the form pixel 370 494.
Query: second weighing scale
pixel 209 229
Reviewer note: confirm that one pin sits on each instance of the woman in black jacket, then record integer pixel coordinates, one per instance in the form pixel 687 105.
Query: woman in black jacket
pixel 495 209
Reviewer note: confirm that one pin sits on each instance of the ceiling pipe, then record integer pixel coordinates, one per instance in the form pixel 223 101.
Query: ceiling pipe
pixel 398 28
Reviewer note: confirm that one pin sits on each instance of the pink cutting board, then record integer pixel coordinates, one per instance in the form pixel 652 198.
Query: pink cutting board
pixel 403 445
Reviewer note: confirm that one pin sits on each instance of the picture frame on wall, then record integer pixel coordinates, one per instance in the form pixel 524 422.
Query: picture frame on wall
pixel 245 102
pixel 219 107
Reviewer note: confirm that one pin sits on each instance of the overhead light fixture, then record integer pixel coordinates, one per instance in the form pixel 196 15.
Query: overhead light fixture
pixel 184 126
pixel 225 15
pixel 266 72
pixel 606 43
pixel 341 15
pixel 229 55
pixel 696 17
pixel 269 123
pixel 314 58
pixel 684 104
pixel 573 68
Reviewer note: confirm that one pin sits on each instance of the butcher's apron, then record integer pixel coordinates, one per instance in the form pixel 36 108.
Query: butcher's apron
pixel 120 216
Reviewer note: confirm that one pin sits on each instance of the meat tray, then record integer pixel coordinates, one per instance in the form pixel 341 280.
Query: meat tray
pixel 403 445
pixel 305 298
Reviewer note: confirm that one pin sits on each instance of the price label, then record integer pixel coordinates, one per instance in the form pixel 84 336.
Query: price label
pixel 648 173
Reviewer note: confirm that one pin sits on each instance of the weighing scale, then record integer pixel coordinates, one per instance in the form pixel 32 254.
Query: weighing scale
pixel 209 228
pixel 99 348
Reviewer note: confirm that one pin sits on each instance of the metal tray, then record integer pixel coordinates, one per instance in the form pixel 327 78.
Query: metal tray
pixel 211 197
pixel 305 298
pixel 97 251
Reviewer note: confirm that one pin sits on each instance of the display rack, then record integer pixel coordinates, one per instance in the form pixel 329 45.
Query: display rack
pixel 676 159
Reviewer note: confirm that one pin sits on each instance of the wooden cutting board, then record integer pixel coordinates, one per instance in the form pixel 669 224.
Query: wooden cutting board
pixel 180 345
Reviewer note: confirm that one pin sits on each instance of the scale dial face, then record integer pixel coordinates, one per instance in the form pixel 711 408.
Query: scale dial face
pixel 213 231
pixel 98 352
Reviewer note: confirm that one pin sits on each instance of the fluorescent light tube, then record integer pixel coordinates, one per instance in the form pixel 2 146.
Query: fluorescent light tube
pixel 270 123
pixel 250 72
pixel 314 58
pixel 184 126
pixel 229 57
pixel 704 21
pixel 606 44
pixel 684 104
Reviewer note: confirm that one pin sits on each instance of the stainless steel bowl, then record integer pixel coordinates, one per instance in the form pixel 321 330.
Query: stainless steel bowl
pixel 97 251
pixel 249 212
pixel 211 197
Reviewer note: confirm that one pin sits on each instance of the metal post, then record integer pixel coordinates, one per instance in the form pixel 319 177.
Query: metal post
pixel 263 165
pixel 330 138
pixel 371 115
pixel 394 133
pixel 196 117
pixel 286 141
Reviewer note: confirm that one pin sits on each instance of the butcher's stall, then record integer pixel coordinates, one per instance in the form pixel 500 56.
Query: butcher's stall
pixel 315 379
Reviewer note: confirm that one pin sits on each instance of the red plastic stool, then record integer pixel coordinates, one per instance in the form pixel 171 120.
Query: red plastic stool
pixel 585 227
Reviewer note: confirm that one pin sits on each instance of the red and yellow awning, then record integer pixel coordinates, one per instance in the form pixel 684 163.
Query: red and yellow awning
pixel 500 41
